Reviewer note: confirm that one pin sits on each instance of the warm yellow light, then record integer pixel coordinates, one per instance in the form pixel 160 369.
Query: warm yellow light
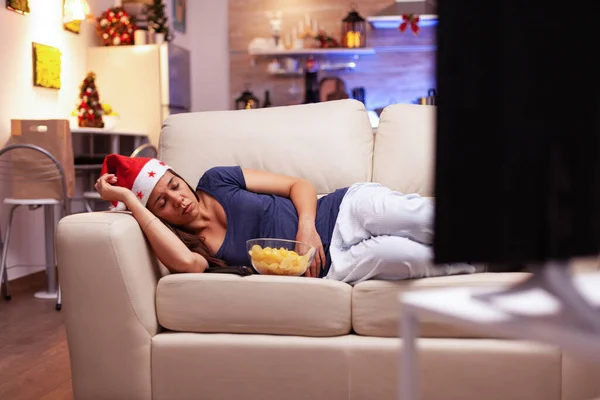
pixel 76 10
pixel 353 39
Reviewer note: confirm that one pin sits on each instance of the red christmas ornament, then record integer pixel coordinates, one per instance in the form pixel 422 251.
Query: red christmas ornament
pixel 412 21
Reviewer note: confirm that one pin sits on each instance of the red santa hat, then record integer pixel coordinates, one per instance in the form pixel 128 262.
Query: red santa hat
pixel 138 174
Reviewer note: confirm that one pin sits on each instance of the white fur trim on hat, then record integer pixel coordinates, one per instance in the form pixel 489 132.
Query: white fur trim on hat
pixel 147 179
pixel 119 207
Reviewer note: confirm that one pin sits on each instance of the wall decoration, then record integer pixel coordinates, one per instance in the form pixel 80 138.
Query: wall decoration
pixel 46 66
pixel 115 27
pixel 73 26
pixel 179 15
pixel 19 6
pixel 412 21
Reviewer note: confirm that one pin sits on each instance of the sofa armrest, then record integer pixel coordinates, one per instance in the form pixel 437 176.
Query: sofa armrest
pixel 108 276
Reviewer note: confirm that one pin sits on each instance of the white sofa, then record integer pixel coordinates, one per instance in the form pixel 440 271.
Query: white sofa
pixel 136 332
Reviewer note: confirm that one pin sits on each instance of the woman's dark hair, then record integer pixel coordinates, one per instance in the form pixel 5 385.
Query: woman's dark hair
pixel 195 243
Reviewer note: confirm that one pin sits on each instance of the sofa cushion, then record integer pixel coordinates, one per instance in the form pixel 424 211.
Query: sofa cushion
pixel 376 310
pixel 330 144
pixel 211 303
pixel 404 152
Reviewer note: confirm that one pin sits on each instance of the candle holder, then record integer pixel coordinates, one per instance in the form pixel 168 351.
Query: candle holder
pixel 354 30
pixel 275 22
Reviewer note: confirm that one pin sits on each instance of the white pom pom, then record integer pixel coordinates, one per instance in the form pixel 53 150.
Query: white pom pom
pixel 119 207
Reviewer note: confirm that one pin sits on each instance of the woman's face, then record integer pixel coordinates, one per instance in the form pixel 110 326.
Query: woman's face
pixel 173 201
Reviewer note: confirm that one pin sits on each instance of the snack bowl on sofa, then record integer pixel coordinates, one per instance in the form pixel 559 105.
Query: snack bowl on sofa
pixel 280 256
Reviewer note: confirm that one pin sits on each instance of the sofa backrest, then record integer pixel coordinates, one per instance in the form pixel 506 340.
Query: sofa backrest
pixel 330 143
pixel 404 154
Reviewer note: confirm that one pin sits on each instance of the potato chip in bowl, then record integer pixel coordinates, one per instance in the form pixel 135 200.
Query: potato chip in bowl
pixel 280 256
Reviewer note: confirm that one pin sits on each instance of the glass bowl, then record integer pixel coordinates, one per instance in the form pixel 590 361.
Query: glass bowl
pixel 280 256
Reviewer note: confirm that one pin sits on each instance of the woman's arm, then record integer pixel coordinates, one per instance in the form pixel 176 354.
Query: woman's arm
pixel 299 190
pixel 169 249
pixel 303 196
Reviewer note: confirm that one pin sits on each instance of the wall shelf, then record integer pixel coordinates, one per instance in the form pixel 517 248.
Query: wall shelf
pixel 325 67
pixel 338 51
pixel 411 48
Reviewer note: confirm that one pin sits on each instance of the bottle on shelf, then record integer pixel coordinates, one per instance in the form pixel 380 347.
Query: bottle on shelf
pixel 267 101
pixel 311 82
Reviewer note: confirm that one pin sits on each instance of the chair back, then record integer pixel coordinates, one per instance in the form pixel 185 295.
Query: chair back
pixel 145 150
pixel 33 173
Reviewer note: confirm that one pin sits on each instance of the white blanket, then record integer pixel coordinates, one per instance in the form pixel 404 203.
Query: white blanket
pixel 387 235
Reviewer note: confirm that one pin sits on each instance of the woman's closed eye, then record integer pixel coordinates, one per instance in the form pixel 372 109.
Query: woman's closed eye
pixel 163 199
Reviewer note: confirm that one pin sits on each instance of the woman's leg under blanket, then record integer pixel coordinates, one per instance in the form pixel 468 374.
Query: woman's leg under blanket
pixel 371 209
pixel 388 258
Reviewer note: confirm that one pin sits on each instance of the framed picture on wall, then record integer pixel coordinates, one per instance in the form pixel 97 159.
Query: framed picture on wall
pixel 18 6
pixel 46 66
pixel 73 26
pixel 179 15
pixel 137 10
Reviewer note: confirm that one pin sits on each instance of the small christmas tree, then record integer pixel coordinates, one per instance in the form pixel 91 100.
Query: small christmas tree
pixel 157 18
pixel 90 109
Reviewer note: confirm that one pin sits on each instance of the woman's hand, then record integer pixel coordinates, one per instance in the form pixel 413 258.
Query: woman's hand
pixel 108 192
pixel 307 233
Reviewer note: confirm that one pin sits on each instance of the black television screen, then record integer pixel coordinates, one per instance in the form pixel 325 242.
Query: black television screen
pixel 517 175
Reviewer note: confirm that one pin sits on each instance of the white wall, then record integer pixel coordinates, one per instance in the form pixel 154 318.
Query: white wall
pixel 20 99
pixel 206 38
pixel 208 41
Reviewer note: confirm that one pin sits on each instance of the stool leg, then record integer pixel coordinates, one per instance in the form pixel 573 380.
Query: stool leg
pixel 88 207
pixel 59 298
pixel 66 211
pixel 3 268
pixel 4 279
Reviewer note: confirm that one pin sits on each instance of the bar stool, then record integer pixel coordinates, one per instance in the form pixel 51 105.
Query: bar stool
pixel 47 169
pixel 144 150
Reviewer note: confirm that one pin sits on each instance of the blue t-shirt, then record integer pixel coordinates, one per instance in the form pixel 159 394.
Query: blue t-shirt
pixel 253 215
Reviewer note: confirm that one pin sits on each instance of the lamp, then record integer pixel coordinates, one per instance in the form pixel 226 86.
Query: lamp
pixel 76 10
pixel 354 30
pixel 246 100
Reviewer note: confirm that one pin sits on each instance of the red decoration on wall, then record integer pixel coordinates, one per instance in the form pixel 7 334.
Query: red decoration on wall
pixel 412 21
